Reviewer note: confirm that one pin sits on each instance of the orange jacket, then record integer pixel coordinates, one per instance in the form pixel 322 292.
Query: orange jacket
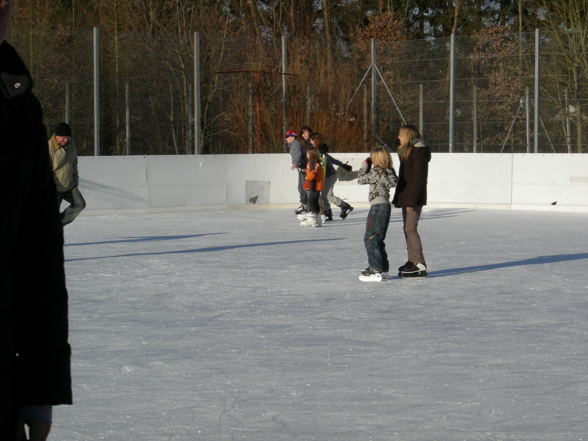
pixel 315 176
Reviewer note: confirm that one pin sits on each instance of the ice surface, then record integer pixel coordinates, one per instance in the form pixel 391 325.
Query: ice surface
pixel 240 325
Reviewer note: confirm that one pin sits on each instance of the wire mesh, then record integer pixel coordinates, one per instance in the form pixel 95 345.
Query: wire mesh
pixel 247 100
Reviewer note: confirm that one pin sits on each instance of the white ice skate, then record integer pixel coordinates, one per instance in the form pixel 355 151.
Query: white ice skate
pixel 311 221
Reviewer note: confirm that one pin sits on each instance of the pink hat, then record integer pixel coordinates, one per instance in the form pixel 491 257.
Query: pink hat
pixel 290 133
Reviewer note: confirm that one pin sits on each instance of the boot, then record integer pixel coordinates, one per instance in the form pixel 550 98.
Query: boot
pixel 413 270
pixel 345 210
pixel 319 219
pixel 311 221
pixel 300 210
pixel 328 215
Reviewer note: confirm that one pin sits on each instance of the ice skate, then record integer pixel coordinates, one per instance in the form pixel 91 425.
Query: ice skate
pixel 311 221
pixel 300 210
pixel 412 270
pixel 345 210
pixel 371 275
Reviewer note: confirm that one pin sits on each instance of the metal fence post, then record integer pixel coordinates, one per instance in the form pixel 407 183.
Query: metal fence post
pixel 475 119
pixel 250 119
pixel 189 132
pixel 284 83
pixel 96 92
pixel 67 95
pixel 128 118
pixel 421 111
pixel 568 126
pixel 365 113
pixel 528 120
pixel 537 84
pixel 451 93
pixel 197 113
pixel 373 56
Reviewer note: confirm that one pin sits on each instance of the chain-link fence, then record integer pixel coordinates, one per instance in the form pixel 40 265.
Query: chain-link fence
pixel 467 94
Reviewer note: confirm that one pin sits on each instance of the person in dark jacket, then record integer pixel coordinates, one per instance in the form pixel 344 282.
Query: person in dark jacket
pixel 327 195
pixel 34 348
pixel 411 196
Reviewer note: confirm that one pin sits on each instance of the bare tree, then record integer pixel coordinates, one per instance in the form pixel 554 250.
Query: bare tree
pixel 566 31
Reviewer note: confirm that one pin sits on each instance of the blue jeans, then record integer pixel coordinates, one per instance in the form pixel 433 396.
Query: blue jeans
pixel 375 233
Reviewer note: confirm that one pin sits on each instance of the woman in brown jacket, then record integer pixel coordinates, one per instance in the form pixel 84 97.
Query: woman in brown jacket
pixel 411 196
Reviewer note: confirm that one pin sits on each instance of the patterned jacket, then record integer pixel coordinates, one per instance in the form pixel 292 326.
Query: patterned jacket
pixel 380 182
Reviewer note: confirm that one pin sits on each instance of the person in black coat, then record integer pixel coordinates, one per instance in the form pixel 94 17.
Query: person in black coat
pixel 411 196
pixel 34 348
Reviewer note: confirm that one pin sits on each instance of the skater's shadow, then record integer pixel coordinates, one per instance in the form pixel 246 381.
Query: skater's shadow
pixel 207 249
pixel 541 260
pixel 139 239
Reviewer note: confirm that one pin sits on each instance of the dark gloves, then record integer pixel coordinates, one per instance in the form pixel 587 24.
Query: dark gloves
pixel 346 167
pixel 369 163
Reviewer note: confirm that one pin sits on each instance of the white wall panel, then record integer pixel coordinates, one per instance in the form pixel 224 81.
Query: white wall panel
pixel 111 183
pixel 201 182
pixel 467 178
pixel 273 167
pixel 186 181
pixel 546 178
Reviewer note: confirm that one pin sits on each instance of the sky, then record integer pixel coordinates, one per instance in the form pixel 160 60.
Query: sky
pixel 241 325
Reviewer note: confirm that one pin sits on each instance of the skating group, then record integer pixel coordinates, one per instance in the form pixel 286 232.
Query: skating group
pixel 317 177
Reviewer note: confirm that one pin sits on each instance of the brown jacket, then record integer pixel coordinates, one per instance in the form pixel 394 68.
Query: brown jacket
pixel 411 190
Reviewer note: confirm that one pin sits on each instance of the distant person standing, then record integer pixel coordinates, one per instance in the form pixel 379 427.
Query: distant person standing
pixel 64 158
pixel 34 348
pixel 298 154
pixel 411 196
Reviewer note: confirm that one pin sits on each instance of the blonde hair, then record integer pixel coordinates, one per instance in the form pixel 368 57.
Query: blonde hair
pixel 408 135
pixel 381 156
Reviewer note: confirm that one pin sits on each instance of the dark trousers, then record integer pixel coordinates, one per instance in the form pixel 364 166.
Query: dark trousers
pixel 313 202
pixel 375 233
pixel 76 204
pixel 301 191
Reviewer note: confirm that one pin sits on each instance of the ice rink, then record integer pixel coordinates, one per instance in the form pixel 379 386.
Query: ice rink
pixel 241 325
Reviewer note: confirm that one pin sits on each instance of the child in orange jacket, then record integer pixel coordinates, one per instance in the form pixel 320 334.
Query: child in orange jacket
pixel 314 183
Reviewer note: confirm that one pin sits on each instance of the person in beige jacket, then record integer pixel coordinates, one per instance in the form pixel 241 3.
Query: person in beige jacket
pixel 64 159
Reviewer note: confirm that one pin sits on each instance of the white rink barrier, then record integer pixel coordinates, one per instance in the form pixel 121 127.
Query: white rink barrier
pixel 128 184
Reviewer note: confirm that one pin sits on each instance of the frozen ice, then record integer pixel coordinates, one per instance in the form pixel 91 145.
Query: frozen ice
pixel 240 325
